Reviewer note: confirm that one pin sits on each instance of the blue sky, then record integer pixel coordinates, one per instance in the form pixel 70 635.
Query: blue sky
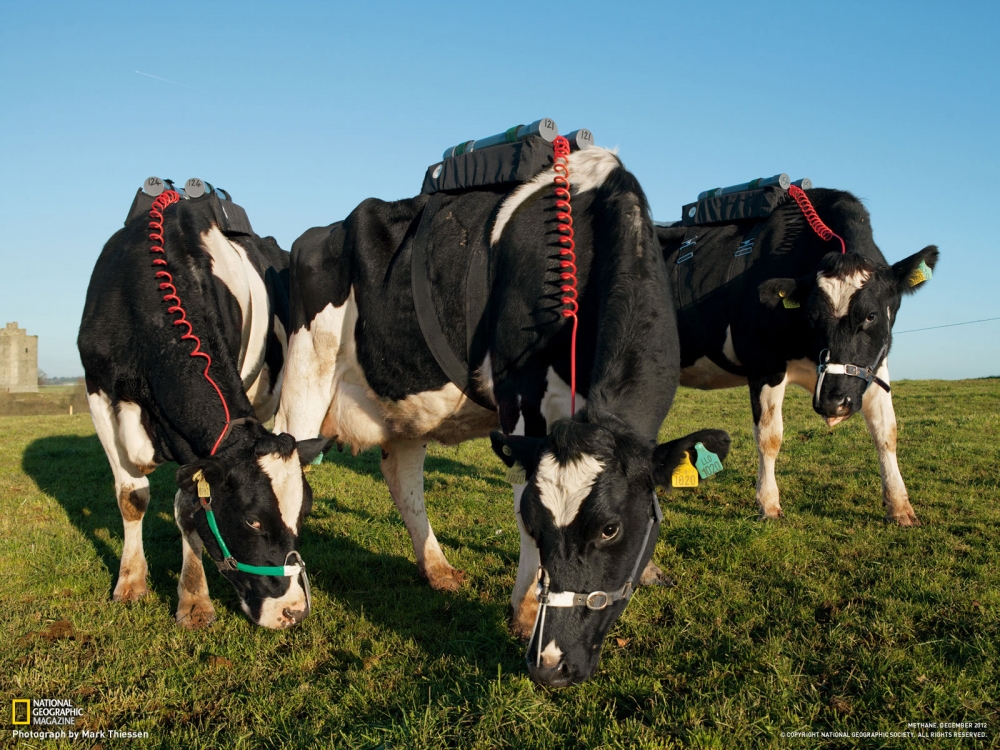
pixel 303 110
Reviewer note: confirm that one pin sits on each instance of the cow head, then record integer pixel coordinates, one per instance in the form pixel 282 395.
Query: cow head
pixel 851 304
pixel 259 499
pixel 589 504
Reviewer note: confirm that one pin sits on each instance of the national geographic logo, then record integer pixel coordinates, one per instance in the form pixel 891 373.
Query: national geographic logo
pixel 44 711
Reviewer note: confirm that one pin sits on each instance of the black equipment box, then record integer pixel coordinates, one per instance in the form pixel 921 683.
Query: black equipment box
pixel 742 206
pixel 230 217
pixel 498 165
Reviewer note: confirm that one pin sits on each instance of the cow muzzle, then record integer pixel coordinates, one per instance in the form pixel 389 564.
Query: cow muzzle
pixel 841 402
pixel 285 611
pixel 557 677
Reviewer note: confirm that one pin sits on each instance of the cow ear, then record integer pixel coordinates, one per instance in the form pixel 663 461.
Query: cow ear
pixel 911 273
pixel 668 456
pixel 270 443
pixel 214 471
pixel 517 449
pixel 310 450
pixel 791 293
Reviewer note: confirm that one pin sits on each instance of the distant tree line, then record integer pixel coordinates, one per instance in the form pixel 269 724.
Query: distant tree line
pixel 44 379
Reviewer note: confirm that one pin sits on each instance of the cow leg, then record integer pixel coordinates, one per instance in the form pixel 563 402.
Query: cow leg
pixel 194 608
pixel 131 489
pixel 403 468
pixel 765 402
pixel 881 420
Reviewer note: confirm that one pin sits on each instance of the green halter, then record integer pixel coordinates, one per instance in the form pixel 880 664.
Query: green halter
pixel 228 561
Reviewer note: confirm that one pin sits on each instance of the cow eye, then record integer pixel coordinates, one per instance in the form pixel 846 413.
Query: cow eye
pixel 610 531
pixel 255 525
pixel 872 317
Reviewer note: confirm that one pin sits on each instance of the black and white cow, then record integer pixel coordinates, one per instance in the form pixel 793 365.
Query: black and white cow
pixel 795 303
pixel 150 403
pixel 359 370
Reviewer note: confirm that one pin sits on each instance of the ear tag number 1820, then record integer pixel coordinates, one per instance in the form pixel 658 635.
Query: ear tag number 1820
pixel 685 475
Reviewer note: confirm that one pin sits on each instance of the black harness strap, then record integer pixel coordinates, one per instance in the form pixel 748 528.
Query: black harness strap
pixel 232 423
pixel 476 297
pixel 453 366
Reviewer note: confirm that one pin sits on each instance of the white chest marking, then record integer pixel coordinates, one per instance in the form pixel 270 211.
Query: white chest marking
pixel 232 267
pixel 728 350
pixel 286 481
pixel 563 488
pixel 840 290
pixel 556 401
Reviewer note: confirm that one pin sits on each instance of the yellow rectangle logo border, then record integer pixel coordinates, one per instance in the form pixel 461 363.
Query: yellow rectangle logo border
pixel 13 711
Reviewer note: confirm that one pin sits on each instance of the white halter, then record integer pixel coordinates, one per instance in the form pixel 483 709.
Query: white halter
pixel 595 600
pixel 867 374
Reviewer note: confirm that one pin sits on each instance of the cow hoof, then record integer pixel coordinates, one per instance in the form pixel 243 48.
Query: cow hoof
pixel 523 621
pixel 444 577
pixel 195 616
pixel 653 576
pixel 907 518
pixel 129 591
pixel 772 515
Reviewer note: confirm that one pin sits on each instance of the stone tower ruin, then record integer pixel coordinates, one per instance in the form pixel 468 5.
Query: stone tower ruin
pixel 18 360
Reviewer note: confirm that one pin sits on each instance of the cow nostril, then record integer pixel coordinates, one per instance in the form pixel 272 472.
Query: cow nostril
pixel 295 615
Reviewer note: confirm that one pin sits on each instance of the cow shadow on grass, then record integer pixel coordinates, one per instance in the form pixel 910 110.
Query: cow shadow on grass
pixel 75 471
pixel 385 589
pixel 388 591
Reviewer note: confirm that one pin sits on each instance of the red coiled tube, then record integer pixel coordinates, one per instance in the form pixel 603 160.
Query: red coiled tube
pixel 156 224
pixel 567 251
pixel 806 206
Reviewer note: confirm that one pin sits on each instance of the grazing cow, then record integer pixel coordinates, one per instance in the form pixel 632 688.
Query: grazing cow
pixel 150 403
pixel 764 302
pixel 361 370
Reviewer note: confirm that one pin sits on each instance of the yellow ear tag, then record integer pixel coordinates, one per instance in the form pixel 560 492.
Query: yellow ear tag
pixel 516 473
pixel 789 303
pixel 203 489
pixel 685 475
pixel 920 274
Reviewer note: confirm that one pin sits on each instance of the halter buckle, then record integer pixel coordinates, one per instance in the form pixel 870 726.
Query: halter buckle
pixel 597 600
pixel 228 564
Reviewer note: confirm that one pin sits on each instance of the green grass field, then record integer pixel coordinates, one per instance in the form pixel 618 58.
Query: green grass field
pixel 827 621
